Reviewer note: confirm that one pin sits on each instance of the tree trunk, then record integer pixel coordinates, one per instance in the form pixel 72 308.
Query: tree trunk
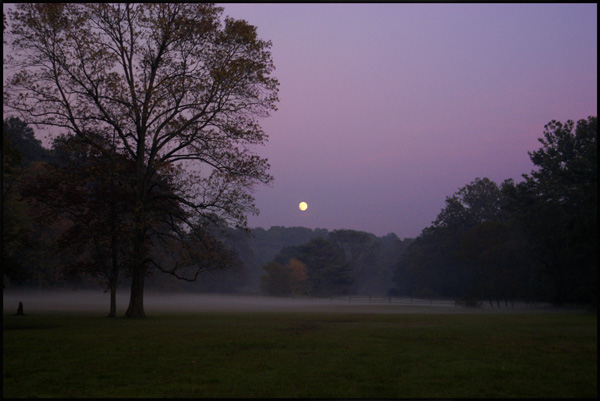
pixel 114 277
pixel 113 298
pixel 136 299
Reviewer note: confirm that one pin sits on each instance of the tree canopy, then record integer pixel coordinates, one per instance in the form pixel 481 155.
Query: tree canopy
pixel 556 207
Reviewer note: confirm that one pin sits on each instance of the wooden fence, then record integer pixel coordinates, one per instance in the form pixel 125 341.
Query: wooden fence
pixel 407 301
pixel 368 299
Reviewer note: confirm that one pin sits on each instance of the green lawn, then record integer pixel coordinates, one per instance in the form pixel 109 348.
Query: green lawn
pixel 301 354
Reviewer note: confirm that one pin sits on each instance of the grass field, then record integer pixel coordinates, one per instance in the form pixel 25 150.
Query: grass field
pixel 301 354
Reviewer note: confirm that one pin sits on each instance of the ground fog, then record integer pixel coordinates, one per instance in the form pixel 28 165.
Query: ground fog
pixel 35 301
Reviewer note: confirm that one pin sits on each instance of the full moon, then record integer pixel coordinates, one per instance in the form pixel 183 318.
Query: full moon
pixel 303 206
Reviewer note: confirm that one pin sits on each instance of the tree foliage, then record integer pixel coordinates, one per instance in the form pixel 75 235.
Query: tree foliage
pixel 556 206
pixel 463 253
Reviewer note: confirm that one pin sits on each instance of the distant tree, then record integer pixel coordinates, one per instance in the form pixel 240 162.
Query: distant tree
pixel 556 207
pixel 28 257
pixel 234 278
pixel 16 225
pixel 363 252
pixel 174 84
pixel 275 280
pixel 436 262
pixel 269 242
pixel 16 228
pixel 427 268
pixel 392 249
pixel 91 189
pixel 285 280
pixel 357 246
pixel 22 139
pixel 266 244
pixel 326 267
pixel 298 277
pixel 19 149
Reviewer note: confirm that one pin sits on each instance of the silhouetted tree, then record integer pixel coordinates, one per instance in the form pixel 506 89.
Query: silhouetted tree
pixel 494 258
pixel 91 189
pixel 22 139
pixel 25 257
pixel 439 262
pixel 16 225
pixel 234 278
pixel 366 254
pixel 556 207
pixel 174 85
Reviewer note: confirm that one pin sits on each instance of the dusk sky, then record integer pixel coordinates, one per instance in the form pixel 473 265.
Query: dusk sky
pixel 387 109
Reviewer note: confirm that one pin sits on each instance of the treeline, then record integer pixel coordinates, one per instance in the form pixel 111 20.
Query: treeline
pixel 288 261
pixel 533 240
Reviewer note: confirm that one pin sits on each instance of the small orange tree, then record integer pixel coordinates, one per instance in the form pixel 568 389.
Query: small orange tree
pixel 297 277
pixel 285 280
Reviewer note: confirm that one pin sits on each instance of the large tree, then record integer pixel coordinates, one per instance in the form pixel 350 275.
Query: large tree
pixel 557 207
pixel 172 82
pixel 434 264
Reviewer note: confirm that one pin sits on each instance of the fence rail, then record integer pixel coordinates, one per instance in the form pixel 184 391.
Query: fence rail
pixel 367 299
pixel 407 301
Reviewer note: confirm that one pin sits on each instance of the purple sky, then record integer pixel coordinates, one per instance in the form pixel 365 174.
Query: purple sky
pixel 386 109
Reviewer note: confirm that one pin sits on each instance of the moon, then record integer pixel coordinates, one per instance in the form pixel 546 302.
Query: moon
pixel 303 206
